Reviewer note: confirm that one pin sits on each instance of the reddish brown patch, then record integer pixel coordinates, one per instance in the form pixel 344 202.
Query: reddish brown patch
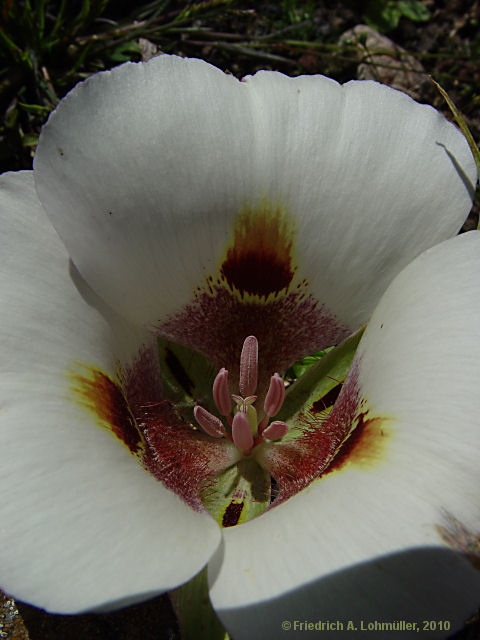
pixel 457 536
pixel 259 262
pixel 104 398
pixel 180 457
pixel 287 328
pixel 326 445
pixel 256 292
pixel 294 464
pixel 141 379
pixel 175 453
pixel 365 445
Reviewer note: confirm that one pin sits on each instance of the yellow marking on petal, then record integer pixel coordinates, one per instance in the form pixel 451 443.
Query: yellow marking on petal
pixel 366 446
pixel 96 392
pixel 259 261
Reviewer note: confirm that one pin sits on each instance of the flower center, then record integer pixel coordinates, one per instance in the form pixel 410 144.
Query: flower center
pixel 243 427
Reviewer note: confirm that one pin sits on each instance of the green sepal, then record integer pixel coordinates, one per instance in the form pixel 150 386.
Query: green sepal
pixel 187 377
pixel 329 372
pixel 238 494
pixel 196 617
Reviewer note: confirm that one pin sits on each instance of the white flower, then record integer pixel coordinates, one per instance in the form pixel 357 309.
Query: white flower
pixel 203 210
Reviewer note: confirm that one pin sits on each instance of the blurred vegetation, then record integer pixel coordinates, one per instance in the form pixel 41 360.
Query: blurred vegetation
pixel 46 47
pixel 385 15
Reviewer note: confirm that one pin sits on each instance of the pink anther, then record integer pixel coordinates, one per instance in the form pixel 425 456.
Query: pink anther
pixel 210 424
pixel 275 396
pixel 221 394
pixel 275 430
pixel 241 433
pixel 249 367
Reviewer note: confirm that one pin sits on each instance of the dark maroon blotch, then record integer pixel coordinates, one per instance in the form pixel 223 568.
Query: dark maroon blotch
pixel 259 272
pixel 232 514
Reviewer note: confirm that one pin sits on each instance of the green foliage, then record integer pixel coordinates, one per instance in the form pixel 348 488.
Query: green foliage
pixel 329 371
pixel 296 17
pixel 196 617
pixel 187 378
pixel 298 369
pixel 384 15
pixel 295 12
pixel 239 494
pixel 48 46
pixel 39 50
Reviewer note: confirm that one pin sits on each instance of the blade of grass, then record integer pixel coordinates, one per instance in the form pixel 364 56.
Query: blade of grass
pixel 11 46
pixel 40 19
pixel 59 18
pixel 463 127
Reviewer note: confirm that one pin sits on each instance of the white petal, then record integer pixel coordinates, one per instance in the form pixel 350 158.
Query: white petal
pixel 419 362
pixel 373 177
pixel 141 170
pixel 379 537
pixel 82 524
pixel 153 173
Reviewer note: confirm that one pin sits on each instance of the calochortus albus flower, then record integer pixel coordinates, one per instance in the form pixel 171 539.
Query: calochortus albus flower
pixel 211 232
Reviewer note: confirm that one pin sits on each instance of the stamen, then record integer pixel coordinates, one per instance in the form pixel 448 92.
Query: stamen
pixel 244 430
pixel 249 366
pixel 221 394
pixel 241 432
pixel 210 424
pixel 275 396
pixel 275 430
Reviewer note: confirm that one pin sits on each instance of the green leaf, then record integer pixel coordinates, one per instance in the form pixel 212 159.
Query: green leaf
pixel 59 18
pixel 299 368
pixel 124 52
pixel 40 18
pixel 195 614
pixel 391 15
pixel 29 140
pixel 187 377
pixel 316 383
pixel 382 15
pixel 238 494
pixel 385 15
pixel 414 10
pixel 9 44
pixel 84 12
pixel 36 109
